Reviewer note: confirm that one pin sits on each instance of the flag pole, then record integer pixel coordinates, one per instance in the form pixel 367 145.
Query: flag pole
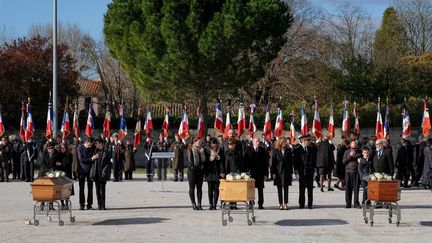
pixel 55 83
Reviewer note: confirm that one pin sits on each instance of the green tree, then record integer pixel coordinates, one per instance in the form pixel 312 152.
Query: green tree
pixel 179 49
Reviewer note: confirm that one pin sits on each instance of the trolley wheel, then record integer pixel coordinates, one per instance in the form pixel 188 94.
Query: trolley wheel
pixel 254 219
pixel 61 223
pixel 366 221
pixel 49 219
pixel 72 219
pixel 36 223
pixel 390 220
pixel 230 219
pixel 371 223
pixel 397 224
pixel 249 222
pixel 224 222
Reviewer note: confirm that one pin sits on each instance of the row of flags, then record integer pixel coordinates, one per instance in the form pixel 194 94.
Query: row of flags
pixel 382 129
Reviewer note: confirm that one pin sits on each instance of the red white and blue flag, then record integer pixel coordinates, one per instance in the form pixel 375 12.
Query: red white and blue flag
pixel 406 123
pixel 292 128
pixel 386 134
pixel 279 127
pixel 304 124
pixel 22 123
pixel 241 120
pixel 184 126
pixel 218 124
pixel 148 125
pixel 30 125
pixel 123 126
pixel 90 121
pixel 331 126
pixel 75 125
pixel 426 122
pixel 356 121
pixel 49 124
pixel 2 129
pixel 316 125
pixel 165 124
pixel 200 127
pixel 267 124
pixel 65 127
pixel 379 127
pixel 138 132
pixel 228 125
pixel 346 125
pixel 107 121
pixel 252 126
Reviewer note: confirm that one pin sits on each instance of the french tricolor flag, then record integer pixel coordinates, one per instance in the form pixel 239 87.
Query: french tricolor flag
pixel 148 125
pixel 346 125
pixel 387 124
pixel 200 127
pixel 218 124
pixel 228 125
pixel 406 123
pixel 30 125
pixel 90 121
pixel 165 124
pixel 331 126
pixel 252 127
pixel 107 121
pixel 2 129
pixel 241 121
pixel 65 128
pixel 138 132
pixel 279 127
pixel 267 124
pixel 379 128
pixel 123 126
pixel 75 124
pixel 292 128
pixel 304 123
pixel 426 122
pixel 22 123
pixel 316 125
pixel 184 126
pixel 49 125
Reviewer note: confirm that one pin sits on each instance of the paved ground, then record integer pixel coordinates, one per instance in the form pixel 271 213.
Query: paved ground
pixel 139 211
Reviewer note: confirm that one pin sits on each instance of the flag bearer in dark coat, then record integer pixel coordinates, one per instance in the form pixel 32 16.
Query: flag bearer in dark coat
pixel 178 147
pixel 325 161
pixel 304 166
pixel 16 146
pixel 405 161
pixel 365 168
pixel 86 158
pixel 117 150
pixel 100 172
pixel 256 162
pixel 197 160
pixel 281 170
pixel 29 155
pixel 213 168
pixel 419 160
pixel 129 164
pixel 5 159
pixel 352 180
pixel 162 164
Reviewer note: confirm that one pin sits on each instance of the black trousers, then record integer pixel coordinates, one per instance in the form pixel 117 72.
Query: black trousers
pixel 100 192
pixel 162 165
pixel 195 179
pixel 364 186
pixel 118 167
pixel 213 192
pixel 4 171
pixel 81 182
pixel 178 174
pixel 128 175
pixel 261 196
pixel 282 199
pixel 306 182
pixel 149 168
pixel 352 184
pixel 16 169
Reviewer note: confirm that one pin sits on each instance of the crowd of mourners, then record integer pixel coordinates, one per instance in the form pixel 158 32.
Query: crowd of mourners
pixel 97 161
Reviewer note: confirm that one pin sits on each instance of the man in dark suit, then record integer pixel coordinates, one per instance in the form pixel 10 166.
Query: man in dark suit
pixel 352 179
pixel 405 161
pixel 256 162
pixel 85 157
pixel 325 161
pixel 304 166
pixel 382 160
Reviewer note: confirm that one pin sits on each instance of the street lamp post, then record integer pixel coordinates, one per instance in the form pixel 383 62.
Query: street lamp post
pixel 55 84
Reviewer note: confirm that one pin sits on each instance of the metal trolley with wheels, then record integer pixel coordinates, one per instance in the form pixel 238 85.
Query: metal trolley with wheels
pixel 382 194
pixel 47 193
pixel 232 194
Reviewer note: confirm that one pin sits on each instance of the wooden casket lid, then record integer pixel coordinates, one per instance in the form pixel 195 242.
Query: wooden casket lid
pixel 46 181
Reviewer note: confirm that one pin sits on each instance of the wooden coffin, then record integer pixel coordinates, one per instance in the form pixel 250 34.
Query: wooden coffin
pixel 47 189
pixel 384 191
pixel 237 190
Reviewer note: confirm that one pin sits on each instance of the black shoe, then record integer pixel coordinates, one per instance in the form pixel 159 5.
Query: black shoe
pixel 407 186
pixel 89 207
pixel 310 207
pixel 301 206
pixel 199 207
pixel 322 189
pixel 175 179
pixel 27 180
pixel 181 179
pixel 348 206
pixel 330 189
pixel 261 207
pixel 115 180
pixel 103 207
pixel 194 206
pixel 82 207
pixel 99 207
pixel 357 205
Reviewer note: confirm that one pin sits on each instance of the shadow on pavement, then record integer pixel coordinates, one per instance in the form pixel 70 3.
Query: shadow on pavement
pixel 426 223
pixel 126 221
pixel 310 222
pixel 150 207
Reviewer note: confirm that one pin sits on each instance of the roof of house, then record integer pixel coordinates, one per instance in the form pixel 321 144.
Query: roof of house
pixel 90 87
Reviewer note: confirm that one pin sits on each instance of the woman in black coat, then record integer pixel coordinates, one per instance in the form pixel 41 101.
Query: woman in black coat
pixel 197 160
pixel 100 171
pixel 340 167
pixel 50 158
pixel 65 165
pixel 282 169
pixel 213 171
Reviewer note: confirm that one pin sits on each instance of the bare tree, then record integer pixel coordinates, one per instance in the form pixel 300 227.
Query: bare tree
pixel 416 15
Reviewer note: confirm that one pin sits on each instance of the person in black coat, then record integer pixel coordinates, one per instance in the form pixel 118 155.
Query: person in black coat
pixel 100 171
pixel 85 157
pixel 383 160
pixel 16 157
pixel 50 158
pixel 365 168
pixel 304 166
pixel 213 168
pixel 325 161
pixel 282 169
pixel 352 179
pixel 197 160
pixel 29 155
pixel 65 165
pixel 256 162
pixel 340 167
pixel 419 160
pixel 233 158
pixel 405 161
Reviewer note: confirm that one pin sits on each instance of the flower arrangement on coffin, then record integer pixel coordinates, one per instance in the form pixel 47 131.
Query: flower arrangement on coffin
pixel 380 177
pixel 236 176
